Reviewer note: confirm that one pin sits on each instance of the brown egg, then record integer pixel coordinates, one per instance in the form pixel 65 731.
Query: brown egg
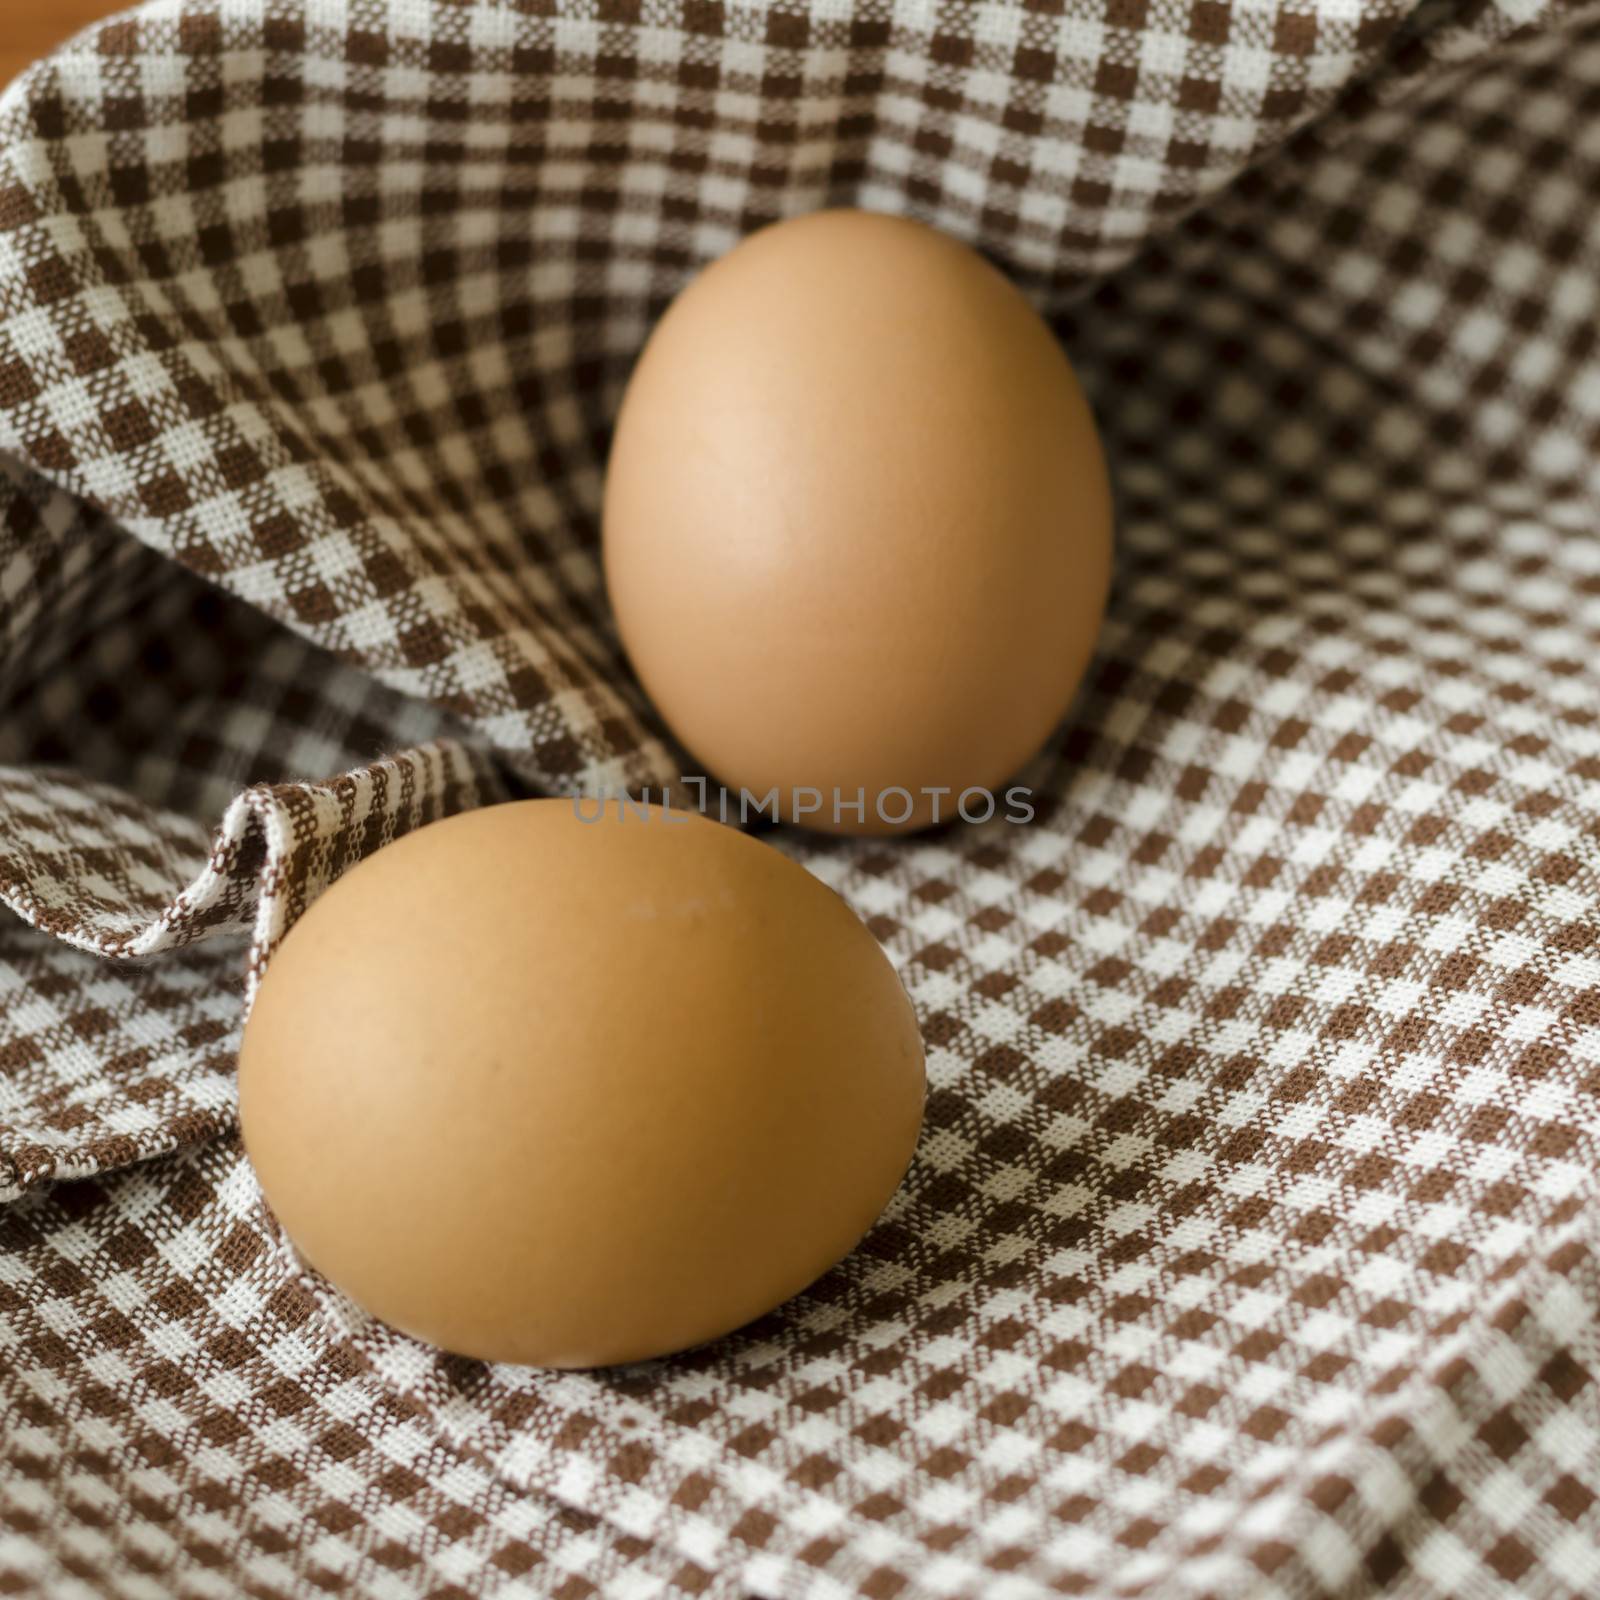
pixel 568 1092
pixel 857 526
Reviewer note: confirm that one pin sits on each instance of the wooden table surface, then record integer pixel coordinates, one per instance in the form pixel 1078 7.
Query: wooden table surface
pixel 31 28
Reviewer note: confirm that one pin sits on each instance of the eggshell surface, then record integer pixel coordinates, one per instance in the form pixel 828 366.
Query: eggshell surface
pixel 857 527
pixel 572 1093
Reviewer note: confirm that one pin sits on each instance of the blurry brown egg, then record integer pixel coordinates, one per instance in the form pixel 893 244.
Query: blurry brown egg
pixel 567 1092
pixel 857 529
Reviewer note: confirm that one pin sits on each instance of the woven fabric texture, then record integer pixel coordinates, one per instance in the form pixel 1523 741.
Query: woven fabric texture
pixel 1251 1246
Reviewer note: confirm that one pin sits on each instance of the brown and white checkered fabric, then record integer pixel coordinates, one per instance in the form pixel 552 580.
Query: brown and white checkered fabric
pixel 1253 1244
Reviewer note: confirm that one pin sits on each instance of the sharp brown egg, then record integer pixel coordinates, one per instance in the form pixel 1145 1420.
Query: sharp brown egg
pixel 571 1093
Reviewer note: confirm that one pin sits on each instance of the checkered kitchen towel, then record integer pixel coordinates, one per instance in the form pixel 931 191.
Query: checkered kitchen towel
pixel 1251 1245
